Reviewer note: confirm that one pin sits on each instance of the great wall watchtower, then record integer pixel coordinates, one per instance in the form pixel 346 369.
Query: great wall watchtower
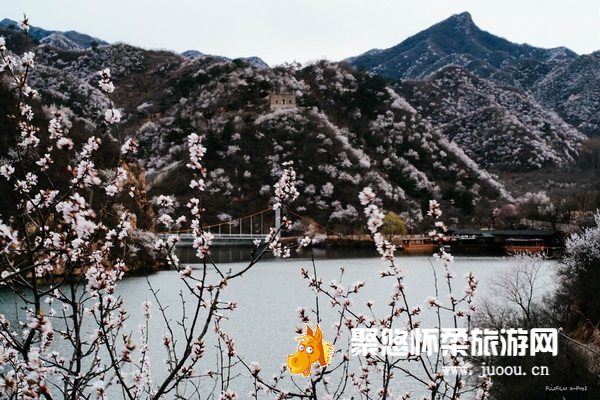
pixel 282 100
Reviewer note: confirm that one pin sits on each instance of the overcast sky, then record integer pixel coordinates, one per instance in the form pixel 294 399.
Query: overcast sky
pixel 281 31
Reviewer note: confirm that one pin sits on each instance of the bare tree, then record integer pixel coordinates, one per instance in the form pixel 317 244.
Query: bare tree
pixel 516 292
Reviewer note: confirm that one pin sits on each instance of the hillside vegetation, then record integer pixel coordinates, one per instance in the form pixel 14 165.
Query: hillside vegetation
pixel 411 140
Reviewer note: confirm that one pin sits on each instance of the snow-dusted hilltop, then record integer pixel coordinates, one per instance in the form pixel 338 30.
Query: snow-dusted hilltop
pixel 70 40
pixel 558 79
pixel 496 125
pixel 454 41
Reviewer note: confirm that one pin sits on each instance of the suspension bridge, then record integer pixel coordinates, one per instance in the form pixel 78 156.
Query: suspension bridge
pixel 241 231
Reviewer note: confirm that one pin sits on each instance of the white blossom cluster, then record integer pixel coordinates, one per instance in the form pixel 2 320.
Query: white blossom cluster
pixel 375 221
pixel 66 242
pixel 285 189
pixel 495 126
pixel 105 83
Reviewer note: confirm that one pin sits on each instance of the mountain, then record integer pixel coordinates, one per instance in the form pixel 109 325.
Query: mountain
pixel 573 90
pixel 571 87
pixel 255 61
pixel 193 54
pixel 70 40
pixel 413 141
pixel 558 79
pixel 454 41
pixel 348 130
pixel 498 126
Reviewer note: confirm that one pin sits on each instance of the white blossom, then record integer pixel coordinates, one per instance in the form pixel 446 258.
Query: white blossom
pixel 366 196
pixel 130 146
pixel 165 201
pixel 7 171
pixel 111 190
pixel 112 116
pixel 105 83
pixel 27 59
pixel 24 24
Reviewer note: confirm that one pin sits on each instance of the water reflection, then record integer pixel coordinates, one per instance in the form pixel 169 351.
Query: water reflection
pixel 227 254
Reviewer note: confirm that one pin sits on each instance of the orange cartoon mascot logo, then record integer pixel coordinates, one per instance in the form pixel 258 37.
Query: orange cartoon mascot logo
pixel 312 348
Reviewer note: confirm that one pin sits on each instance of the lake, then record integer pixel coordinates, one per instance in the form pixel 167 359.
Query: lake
pixel 269 295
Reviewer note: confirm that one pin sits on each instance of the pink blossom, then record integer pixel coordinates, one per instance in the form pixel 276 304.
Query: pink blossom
pixel 29 92
pixel 305 241
pixel 166 220
pixel 186 272
pixel 99 388
pixel 228 395
pixel 285 188
pixel 86 174
pixel 202 243
pixel 75 214
pixel 8 63
pixel 433 302
pixel 26 111
pixel 276 247
pixel 64 142
pixel 434 209
pixel 44 162
pixel 375 218
pixel 197 184
pixel 255 368
pixel 7 237
pixel 196 151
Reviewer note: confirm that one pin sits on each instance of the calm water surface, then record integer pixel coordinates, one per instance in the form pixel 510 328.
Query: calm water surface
pixel 269 295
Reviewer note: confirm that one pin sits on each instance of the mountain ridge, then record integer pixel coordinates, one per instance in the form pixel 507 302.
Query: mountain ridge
pixel 496 125
pixel 72 40
pixel 349 128
pixel 256 61
pixel 557 78
pixel 443 43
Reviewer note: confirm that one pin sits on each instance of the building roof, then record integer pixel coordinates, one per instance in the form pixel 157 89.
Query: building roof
pixel 493 233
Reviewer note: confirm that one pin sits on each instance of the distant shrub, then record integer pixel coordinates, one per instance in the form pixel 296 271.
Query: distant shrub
pixel 393 225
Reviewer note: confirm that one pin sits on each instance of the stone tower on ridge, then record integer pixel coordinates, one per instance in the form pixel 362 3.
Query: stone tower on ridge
pixel 282 100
